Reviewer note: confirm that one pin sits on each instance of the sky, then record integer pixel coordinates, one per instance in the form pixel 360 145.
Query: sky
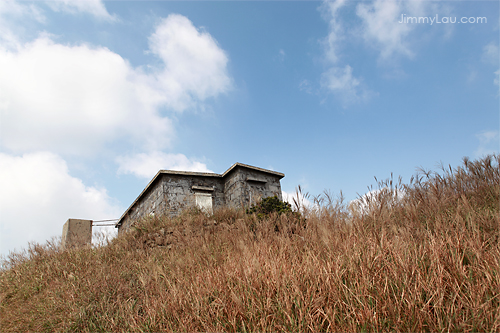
pixel 97 96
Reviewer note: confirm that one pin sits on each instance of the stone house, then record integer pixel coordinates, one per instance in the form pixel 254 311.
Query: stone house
pixel 169 192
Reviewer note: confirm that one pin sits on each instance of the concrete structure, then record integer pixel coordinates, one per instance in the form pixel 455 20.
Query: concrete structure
pixel 76 233
pixel 169 192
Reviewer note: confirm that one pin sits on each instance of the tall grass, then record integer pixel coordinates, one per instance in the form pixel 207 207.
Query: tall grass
pixel 423 256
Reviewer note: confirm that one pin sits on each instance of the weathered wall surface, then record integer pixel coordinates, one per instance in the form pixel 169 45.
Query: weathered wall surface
pixel 234 188
pixel 179 192
pixel 153 202
pixel 172 193
pixel 244 187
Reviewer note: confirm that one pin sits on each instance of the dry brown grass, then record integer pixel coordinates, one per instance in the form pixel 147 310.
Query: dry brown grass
pixel 428 260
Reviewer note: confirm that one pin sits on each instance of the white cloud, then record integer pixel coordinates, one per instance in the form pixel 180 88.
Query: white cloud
pixel 93 7
pixel 146 165
pixel 13 9
pixel 336 33
pixel 381 27
pixel 344 85
pixel 195 66
pixel 17 17
pixel 281 55
pixel 489 143
pixel 73 99
pixel 491 53
pixel 305 85
pixel 472 76
pixel 76 99
pixel 13 17
pixel 38 195
pixel 339 80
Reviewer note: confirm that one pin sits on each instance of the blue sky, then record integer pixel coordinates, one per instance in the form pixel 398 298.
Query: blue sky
pixel 96 97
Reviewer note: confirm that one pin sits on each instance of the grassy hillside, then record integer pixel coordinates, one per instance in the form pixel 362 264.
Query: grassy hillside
pixel 421 256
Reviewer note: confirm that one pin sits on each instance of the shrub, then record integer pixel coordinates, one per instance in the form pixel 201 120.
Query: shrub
pixel 269 205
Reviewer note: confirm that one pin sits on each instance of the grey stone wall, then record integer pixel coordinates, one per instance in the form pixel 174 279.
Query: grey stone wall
pixel 244 187
pixel 172 193
pixel 153 202
pixel 234 189
pixel 179 192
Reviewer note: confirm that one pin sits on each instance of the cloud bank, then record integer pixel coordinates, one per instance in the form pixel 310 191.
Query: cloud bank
pixel 75 99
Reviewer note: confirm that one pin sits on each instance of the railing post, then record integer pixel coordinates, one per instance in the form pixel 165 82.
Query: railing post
pixel 76 233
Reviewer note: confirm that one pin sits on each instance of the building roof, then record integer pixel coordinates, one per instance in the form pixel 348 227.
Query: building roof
pixel 196 174
pixel 279 174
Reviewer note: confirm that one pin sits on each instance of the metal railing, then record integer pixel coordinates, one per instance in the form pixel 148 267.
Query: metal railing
pixel 99 223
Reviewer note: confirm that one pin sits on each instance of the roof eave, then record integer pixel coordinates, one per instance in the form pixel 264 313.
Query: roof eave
pixel 276 173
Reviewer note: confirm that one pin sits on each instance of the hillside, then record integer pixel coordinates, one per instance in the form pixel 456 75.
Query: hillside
pixel 411 257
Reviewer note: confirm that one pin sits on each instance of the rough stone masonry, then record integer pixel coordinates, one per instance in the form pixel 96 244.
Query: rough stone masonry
pixel 169 192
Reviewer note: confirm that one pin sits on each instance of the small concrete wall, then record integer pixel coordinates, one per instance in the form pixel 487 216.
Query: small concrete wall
pixel 76 233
